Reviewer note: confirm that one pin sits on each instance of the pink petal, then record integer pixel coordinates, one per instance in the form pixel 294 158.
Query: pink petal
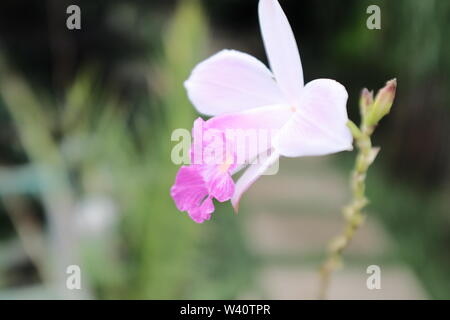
pixel 250 176
pixel 319 126
pixel 281 49
pixel 190 193
pixel 231 81
pixel 209 144
pixel 189 189
pixel 264 117
pixel 203 212
pixel 220 184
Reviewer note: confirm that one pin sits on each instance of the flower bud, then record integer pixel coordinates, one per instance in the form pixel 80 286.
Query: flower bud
pixel 365 101
pixel 383 103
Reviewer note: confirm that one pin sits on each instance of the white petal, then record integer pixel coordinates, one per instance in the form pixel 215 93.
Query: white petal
pixel 231 81
pixel 281 49
pixel 252 173
pixel 319 126
pixel 265 117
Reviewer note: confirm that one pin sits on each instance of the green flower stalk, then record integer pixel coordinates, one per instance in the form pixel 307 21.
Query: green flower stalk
pixel 372 111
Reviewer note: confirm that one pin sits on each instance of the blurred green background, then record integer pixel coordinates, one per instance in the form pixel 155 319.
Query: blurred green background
pixel 86 118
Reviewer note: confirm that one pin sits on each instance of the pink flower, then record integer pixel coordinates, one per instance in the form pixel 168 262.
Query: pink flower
pixel 241 93
pixel 209 175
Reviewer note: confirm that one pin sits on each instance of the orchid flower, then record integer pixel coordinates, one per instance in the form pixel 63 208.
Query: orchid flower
pixel 240 92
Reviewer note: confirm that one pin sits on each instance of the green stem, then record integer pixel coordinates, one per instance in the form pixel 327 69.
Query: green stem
pixel 353 211
pixel 372 111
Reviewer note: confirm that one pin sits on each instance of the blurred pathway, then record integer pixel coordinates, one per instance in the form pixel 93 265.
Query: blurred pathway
pixel 289 220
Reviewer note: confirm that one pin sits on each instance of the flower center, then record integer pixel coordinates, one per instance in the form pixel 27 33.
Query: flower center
pixel 223 168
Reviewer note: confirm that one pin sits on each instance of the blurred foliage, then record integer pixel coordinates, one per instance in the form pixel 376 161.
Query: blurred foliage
pixel 419 223
pixel 92 149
